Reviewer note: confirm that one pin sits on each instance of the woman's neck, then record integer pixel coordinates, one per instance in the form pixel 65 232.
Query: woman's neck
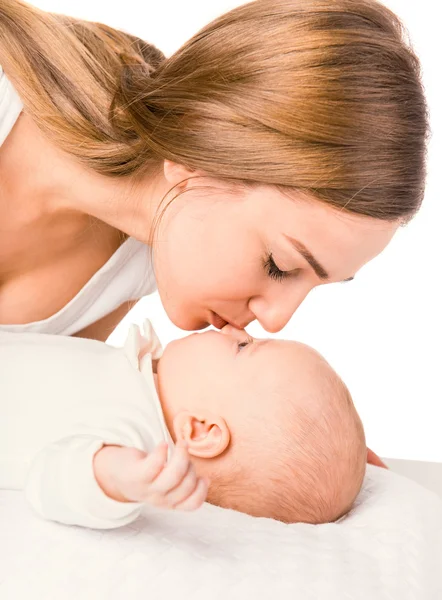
pixel 41 185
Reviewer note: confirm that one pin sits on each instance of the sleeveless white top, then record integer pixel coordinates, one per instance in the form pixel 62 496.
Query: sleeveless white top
pixel 127 275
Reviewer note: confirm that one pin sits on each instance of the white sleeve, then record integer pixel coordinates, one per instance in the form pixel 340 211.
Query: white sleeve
pixel 61 486
pixel 10 106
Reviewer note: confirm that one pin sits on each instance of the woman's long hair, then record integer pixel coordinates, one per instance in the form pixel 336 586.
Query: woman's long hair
pixel 321 96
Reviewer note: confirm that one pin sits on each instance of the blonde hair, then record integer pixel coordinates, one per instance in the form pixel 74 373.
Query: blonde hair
pixel 296 459
pixel 322 96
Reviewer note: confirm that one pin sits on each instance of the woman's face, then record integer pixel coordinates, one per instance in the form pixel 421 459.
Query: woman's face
pixel 233 259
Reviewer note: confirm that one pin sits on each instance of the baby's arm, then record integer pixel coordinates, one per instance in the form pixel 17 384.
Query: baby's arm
pixel 61 486
pixel 80 481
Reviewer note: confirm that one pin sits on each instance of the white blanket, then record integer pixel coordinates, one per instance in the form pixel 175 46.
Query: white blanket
pixel 388 548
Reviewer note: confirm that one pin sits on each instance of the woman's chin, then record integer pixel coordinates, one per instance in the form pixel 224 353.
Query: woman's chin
pixel 188 324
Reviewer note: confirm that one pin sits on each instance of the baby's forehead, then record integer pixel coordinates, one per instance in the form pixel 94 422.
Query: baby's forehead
pixel 294 374
pixel 279 364
pixel 291 350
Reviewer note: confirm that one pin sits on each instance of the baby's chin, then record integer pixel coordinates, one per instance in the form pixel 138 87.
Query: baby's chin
pixel 176 348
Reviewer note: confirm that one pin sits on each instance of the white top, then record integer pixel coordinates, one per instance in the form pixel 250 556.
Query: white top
pixel 10 106
pixel 127 275
pixel 62 399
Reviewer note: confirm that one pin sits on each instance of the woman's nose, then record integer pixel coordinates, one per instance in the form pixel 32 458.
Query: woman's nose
pixel 274 314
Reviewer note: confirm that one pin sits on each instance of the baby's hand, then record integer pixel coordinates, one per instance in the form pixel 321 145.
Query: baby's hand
pixel 130 475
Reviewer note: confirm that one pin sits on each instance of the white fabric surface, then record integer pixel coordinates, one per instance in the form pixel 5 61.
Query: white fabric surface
pixel 127 275
pixel 428 474
pixel 388 548
pixel 61 400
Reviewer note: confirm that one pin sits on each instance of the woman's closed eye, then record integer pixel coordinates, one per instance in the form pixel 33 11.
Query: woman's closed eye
pixel 274 272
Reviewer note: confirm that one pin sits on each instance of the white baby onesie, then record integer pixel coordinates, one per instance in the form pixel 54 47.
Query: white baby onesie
pixel 61 400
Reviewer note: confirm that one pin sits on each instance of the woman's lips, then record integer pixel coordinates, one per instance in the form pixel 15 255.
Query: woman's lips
pixel 216 320
pixel 219 322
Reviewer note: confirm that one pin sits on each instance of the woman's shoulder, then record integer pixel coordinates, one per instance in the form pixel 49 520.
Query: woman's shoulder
pixel 10 106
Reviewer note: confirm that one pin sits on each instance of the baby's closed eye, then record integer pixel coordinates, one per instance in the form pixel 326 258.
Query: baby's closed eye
pixel 243 344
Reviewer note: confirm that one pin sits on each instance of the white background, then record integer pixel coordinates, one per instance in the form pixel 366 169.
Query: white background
pixel 382 332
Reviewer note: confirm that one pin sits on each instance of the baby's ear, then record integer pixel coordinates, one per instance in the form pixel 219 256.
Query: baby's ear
pixel 206 435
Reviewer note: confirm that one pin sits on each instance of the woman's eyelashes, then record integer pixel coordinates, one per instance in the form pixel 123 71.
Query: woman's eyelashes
pixel 273 270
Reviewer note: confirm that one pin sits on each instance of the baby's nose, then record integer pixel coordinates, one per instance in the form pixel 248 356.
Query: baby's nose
pixel 237 334
pixel 230 330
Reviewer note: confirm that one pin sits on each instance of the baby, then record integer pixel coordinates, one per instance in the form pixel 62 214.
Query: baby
pixel 96 433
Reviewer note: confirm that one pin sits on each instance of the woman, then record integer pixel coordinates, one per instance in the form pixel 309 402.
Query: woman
pixel 277 150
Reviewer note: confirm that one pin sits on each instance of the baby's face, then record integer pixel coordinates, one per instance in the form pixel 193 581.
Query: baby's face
pixel 211 383
pixel 225 370
pixel 204 367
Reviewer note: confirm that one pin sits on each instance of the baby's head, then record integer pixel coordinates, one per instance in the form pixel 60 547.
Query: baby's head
pixel 268 421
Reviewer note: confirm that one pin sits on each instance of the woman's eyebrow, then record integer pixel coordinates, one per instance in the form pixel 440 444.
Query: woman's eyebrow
pixel 303 251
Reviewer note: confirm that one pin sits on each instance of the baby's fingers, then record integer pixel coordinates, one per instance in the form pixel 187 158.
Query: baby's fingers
pixel 183 490
pixel 153 464
pixel 197 498
pixel 173 473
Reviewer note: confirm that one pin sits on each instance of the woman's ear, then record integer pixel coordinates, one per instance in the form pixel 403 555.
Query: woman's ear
pixel 176 173
pixel 206 435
